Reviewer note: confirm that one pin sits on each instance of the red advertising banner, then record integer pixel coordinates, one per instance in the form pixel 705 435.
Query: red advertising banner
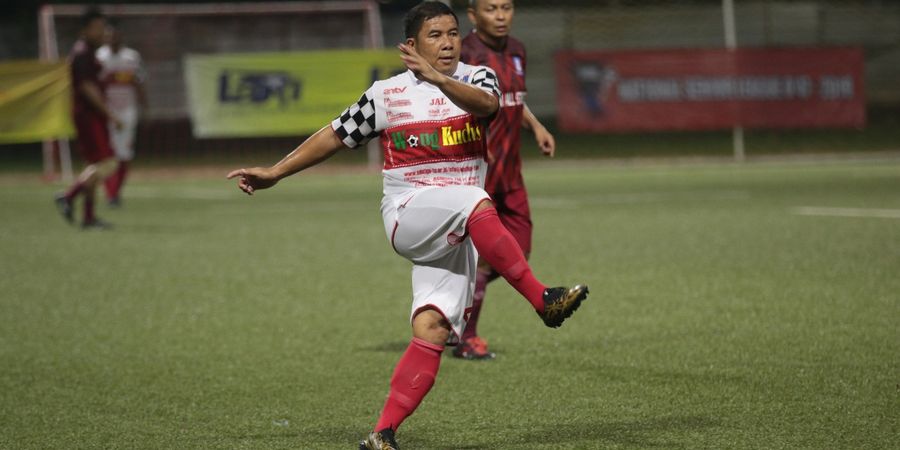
pixel 658 90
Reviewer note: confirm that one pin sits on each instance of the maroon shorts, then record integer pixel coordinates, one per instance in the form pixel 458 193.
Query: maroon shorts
pixel 93 139
pixel 512 207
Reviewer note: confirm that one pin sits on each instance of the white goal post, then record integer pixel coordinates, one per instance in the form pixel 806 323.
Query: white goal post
pixel 207 28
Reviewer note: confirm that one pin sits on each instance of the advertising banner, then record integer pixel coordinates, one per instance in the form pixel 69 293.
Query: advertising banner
pixel 35 102
pixel 657 90
pixel 277 94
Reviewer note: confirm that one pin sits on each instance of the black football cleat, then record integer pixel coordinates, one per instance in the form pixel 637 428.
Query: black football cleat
pixel 96 224
pixel 561 302
pixel 64 206
pixel 380 440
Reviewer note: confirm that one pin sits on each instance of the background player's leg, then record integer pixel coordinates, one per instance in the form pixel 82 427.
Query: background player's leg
pixel 514 213
pixel 498 247
pixel 89 217
pixel 114 183
pixel 415 372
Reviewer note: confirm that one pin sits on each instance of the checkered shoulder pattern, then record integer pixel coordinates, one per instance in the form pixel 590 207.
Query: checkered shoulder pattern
pixel 356 125
pixel 486 79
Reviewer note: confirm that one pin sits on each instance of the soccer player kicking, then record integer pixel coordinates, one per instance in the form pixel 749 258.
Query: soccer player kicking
pixel 431 123
pixel 90 115
pixel 490 45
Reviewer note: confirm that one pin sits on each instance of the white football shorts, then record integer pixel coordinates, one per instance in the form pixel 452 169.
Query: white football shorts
pixel 428 227
pixel 122 139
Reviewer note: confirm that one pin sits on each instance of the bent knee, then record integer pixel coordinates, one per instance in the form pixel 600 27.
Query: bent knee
pixel 430 326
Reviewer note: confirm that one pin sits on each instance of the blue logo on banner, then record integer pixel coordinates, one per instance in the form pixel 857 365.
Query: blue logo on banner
pixel 258 87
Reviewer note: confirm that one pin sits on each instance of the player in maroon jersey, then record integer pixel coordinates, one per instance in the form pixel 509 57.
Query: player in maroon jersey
pixel 90 114
pixel 490 45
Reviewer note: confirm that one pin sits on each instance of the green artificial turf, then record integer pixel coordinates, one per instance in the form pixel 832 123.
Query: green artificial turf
pixel 720 317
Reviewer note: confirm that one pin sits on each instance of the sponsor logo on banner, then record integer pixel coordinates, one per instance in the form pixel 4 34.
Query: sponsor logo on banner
pixel 238 86
pixel 704 89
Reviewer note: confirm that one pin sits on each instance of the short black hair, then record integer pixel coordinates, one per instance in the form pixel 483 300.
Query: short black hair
pixel 91 14
pixel 414 19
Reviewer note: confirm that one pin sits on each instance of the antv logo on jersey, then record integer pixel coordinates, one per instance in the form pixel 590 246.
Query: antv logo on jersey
pixel 448 136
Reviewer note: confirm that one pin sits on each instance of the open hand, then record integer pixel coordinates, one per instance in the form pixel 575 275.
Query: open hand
pixel 249 180
pixel 418 65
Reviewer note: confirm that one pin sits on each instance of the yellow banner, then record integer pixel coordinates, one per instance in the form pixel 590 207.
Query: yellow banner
pixel 35 101
pixel 277 94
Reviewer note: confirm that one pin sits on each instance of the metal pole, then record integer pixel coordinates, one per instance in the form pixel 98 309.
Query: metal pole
pixel 737 133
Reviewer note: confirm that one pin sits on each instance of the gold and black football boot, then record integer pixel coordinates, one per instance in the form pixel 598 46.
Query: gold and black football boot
pixel 561 302
pixel 380 440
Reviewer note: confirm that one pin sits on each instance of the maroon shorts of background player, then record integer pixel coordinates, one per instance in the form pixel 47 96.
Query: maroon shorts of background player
pixel 93 138
pixel 512 207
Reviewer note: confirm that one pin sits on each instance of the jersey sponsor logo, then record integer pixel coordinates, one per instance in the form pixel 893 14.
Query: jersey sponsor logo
pixel 439 101
pixel 397 103
pixel 454 139
pixel 237 86
pixel 395 90
pixel 449 136
pixel 438 112
pixel 402 140
pixel 396 117
pixel 122 77
pixel 517 63
pixel 512 99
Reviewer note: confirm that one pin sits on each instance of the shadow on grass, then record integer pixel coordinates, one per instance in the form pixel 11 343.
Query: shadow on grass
pixel 387 347
pixel 638 433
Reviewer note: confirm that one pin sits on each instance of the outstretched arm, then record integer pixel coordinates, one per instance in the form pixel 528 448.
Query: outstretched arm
pixel 470 98
pixel 319 147
pixel 543 137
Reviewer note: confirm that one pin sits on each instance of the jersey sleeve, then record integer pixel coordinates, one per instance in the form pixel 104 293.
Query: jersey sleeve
pixel 485 79
pixel 356 125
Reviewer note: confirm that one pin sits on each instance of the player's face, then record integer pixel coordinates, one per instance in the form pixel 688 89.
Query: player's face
pixel 95 32
pixel 492 17
pixel 438 42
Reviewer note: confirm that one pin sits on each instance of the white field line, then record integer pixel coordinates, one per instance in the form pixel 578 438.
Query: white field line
pixel 631 198
pixel 847 212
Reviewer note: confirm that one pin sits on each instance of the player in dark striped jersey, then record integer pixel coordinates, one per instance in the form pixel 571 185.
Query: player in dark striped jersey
pixel 490 45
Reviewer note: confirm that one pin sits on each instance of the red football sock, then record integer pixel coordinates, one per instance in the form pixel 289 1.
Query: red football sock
pixel 413 378
pixel 115 181
pixel 89 207
pixel 499 248
pixel 122 174
pixel 73 190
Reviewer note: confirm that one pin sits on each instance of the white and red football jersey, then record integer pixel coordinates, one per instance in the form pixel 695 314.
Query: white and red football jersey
pixel 427 140
pixel 121 70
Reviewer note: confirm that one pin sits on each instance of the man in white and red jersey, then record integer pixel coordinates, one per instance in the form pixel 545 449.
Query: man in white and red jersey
pixel 430 120
pixel 490 45
pixel 123 75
